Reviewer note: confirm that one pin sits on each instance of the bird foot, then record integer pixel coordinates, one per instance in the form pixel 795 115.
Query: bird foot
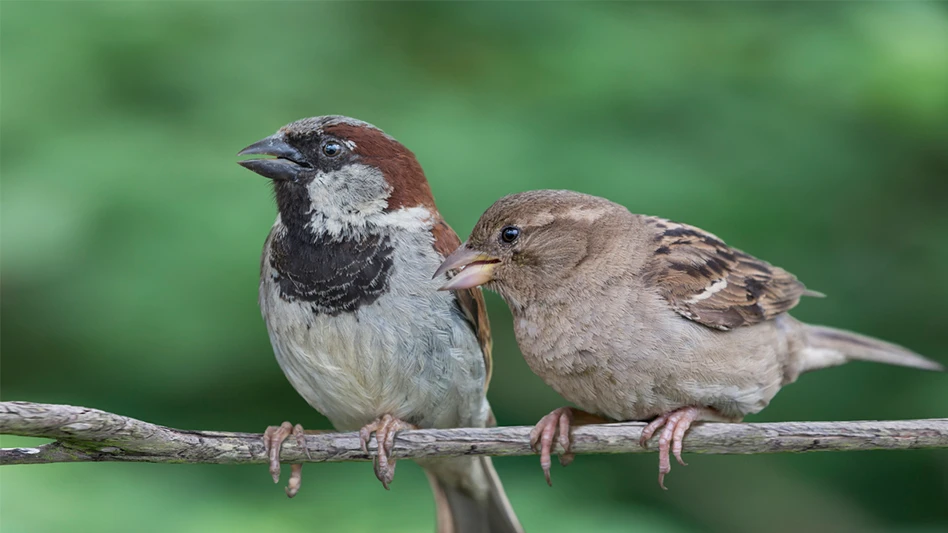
pixel 556 426
pixel 273 439
pixel 385 429
pixel 676 424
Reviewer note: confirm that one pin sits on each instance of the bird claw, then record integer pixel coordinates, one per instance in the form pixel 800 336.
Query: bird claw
pixel 296 479
pixel 676 424
pixel 385 429
pixel 273 439
pixel 650 430
pixel 553 427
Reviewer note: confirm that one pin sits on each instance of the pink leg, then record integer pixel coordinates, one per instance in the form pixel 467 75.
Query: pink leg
pixel 676 424
pixel 680 428
pixel 385 429
pixel 556 426
pixel 273 439
pixel 650 430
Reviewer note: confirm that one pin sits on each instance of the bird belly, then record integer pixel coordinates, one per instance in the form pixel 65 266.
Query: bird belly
pixel 634 376
pixel 407 355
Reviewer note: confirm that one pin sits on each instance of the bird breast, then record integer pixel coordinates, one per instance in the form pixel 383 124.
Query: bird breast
pixel 405 351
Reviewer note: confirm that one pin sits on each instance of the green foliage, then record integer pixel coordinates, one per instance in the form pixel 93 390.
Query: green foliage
pixel 811 135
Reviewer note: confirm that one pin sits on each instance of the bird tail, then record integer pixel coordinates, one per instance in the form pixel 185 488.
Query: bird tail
pixel 827 347
pixel 469 497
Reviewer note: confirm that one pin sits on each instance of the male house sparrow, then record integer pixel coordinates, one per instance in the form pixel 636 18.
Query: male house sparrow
pixel 633 317
pixel 356 323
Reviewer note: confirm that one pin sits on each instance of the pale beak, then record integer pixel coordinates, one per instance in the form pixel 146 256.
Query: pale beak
pixel 476 268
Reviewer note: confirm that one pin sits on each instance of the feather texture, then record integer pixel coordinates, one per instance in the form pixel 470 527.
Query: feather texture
pixel 470 301
pixel 711 283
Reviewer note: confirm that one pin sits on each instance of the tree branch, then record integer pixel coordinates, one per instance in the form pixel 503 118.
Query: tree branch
pixel 84 434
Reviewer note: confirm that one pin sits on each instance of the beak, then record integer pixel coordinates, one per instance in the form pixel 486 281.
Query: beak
pixel 287 166
pixel 476 268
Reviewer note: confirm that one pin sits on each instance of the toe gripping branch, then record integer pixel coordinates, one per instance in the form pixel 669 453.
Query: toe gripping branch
pixel 273 439
pixel 385 429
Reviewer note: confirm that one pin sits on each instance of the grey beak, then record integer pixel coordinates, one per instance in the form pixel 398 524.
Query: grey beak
pixel 287 167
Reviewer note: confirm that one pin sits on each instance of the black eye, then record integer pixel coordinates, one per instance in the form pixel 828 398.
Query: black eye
pixel 332 149
pixel 509 234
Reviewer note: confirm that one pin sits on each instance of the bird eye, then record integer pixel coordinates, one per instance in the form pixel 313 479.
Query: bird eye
pixel 332 149
pixel 509 234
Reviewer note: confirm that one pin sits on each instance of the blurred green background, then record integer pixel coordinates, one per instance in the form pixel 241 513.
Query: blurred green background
pixel 811 135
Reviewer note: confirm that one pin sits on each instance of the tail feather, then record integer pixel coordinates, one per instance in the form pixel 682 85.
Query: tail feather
pixel 463 508
pixel 500 512
pixel 830 347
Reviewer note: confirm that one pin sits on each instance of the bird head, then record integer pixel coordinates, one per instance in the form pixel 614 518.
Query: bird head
pixel 529 243
pixel 332 172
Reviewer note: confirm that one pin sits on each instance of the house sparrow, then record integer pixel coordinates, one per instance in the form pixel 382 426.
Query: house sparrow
pixel 357 325
pixel 633 317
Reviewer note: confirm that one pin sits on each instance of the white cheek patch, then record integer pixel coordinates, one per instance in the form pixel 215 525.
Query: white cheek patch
pixel 346 197
pixel 355 197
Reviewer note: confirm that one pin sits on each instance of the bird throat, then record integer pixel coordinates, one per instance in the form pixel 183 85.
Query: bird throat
pixel 333 274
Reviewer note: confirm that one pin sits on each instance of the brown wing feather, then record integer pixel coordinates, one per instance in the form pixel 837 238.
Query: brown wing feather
pixel 713 284
pixel 470 301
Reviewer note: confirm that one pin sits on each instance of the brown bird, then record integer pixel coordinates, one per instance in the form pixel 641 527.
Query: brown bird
pixel 633 317
pixel 356 323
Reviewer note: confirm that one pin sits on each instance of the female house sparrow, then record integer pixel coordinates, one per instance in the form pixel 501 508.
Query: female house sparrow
pixel 355 321
pixel 633 317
